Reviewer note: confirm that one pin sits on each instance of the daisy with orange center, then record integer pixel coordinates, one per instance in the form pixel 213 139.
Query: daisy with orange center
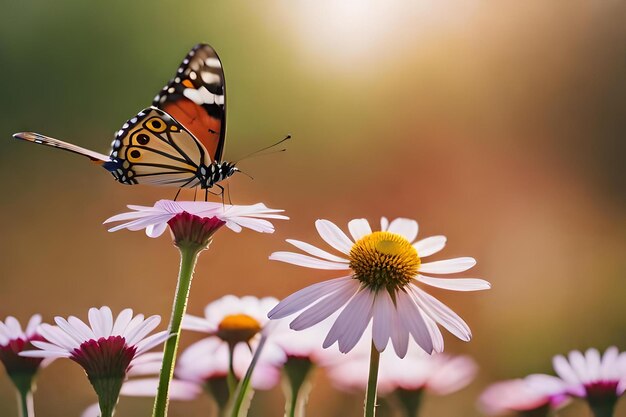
pixel 234 326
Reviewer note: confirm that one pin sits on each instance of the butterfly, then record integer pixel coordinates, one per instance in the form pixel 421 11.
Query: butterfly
pixel 179 140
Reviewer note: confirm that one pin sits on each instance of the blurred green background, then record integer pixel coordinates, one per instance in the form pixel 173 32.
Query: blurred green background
pixel 498 124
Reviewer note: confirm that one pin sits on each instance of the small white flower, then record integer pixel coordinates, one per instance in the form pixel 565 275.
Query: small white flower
pixel 520 395
pixel 384 273
pixel 438 374
pixel 236 217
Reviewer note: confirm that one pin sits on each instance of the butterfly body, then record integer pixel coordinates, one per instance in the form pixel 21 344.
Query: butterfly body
pixel 179 140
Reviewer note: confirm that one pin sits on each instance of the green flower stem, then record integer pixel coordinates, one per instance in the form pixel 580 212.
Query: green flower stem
pixel 372 382
pixel 25 403
pixel 603 409
pixel 238 400
pixel 410 401
pixel 296 385
pixel 231 378
pixel 189 255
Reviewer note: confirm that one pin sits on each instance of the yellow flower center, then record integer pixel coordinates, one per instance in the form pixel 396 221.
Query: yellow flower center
pixel 384 260
pixel 237 328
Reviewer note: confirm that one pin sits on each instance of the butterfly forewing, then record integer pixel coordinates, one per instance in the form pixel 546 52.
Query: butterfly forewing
pixel 153 148
pixel 196 98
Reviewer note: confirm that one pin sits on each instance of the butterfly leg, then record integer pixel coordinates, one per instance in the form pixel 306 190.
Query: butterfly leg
pixel 195 193
pixel 177 192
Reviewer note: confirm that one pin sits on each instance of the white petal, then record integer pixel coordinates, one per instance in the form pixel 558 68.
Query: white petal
pixel 32 325
pixel 122 321
pixel 413 321
pixel 156 230
pixel 179 390
pixel 382 319
pixel 351 322
pixel 448 266
pixel 78 335
pixel 429 246
pixel 197 324
pixel 399 335
pixel 442 314
pixel 404 227
pixel 326 307
pixel 593 364
pixel 306 296
pixel 610 366
pixel 435 333
pixel 359 228
pixel 312 250
pixel 564 370
pixel 579 365
pixel 334 236
pixel 142 330
pixel 384 224
pixel 56 336
pixel 307 261
pixel 151 341
pixel 455 284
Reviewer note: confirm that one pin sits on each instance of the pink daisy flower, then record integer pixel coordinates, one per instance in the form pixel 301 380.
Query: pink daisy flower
pixel 107 348
pixel 600 379
pixel 384 276
pixel 521 395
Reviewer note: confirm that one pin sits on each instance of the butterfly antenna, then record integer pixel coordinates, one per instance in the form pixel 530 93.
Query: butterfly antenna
pixel 246 174
pixel 266 148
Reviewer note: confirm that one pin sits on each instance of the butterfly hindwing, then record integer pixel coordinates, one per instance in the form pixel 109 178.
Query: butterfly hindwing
pixel 153 148
pixel 196 98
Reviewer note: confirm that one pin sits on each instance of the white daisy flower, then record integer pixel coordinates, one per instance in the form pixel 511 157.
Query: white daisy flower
pixel 384 276
pixel 521 395
pixel 236 217
pixel 107 348
pixel 600 379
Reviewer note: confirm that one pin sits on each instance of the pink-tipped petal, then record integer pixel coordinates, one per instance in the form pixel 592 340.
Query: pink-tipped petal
pixel 382 321
pixel 321 311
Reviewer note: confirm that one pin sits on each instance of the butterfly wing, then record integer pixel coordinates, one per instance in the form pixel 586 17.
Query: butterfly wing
pixel 56 143
pixel 153 148
pixel 196 97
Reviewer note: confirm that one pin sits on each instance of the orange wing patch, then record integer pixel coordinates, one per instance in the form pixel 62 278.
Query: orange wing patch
pixel 202 125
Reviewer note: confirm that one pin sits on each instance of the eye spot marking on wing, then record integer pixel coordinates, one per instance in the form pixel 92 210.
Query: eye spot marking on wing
pixel 143 139
pixel 156 125
pixel 135 154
